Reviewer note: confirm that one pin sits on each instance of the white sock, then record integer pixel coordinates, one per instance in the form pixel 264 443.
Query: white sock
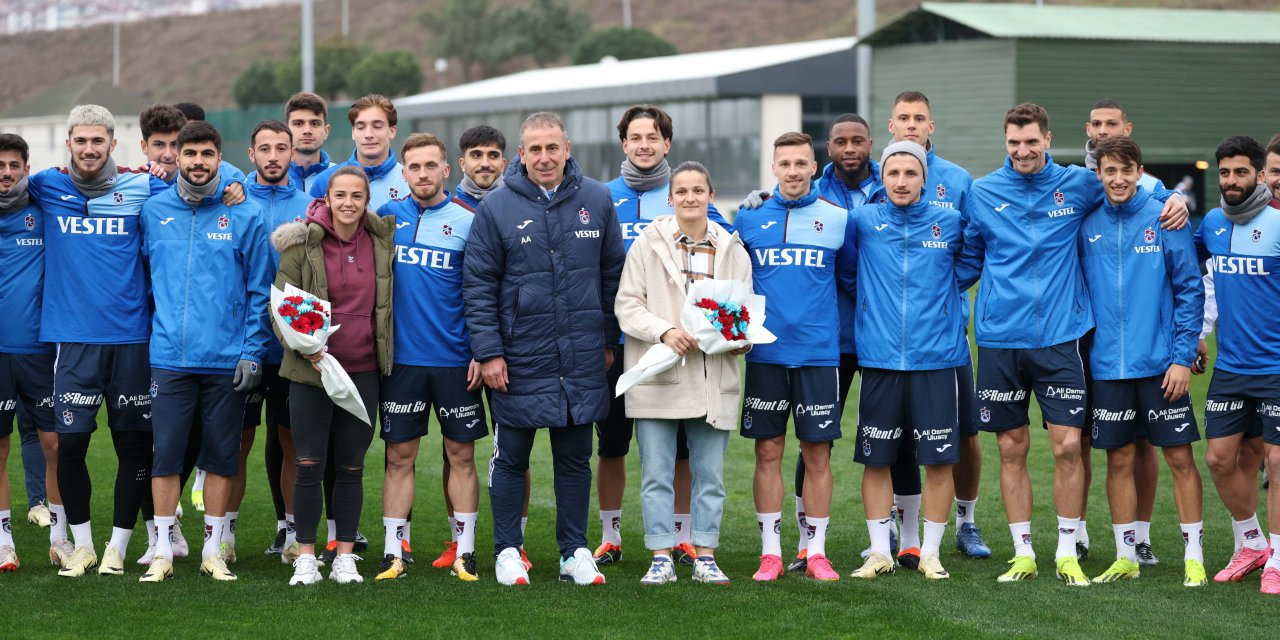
pixel 6 529
pixel 57 522
pixel 1082 533
pixel 408 528
pixel 770 533
pixel 453 528
pixel 213 527
pixel 229 531
pixel 1126 538
pixel 1274 561
pixel 818 528
pixel 964 511
pixel 333 529
pixel 198 485
pixel 1143 531
pixel 164 536
pixel 279 524
pixel 932 542
pixel 909 521
pixel 1021 532
pixel 611 527
pixel 684 524
pixel 83 534
pixel 1236 537
pixel 392 530
pixel 466 531
pixel 1248 530
pixel 120 539
pixel 801 524
pixel 1068 531
pixel 150 525
pixel 524 522
pixel 290 531
pixel 1193 541
pixel 878 530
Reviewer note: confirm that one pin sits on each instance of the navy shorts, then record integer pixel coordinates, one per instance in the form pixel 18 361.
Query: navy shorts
pixel 273 393
pixel 176 398
pixel 1125 411
pixel 908 408
pixel 1007 377
pixel 968 401
pixel 809 394
pixel 410 393
pixel 86 374
pixel 1239 403
pixel 26 390
pixel 613 434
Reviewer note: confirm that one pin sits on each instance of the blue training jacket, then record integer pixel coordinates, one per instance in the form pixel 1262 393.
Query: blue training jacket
pixel 1021 239
pixel 304 177
pixel 95 286
pixel 210 269
pixel 636 209
pixel 832 188
pixel 431 328
pixel 909 308
pixel 22 263
pixel 280 204
pixel 386 183
pixel 1144 284
pixel 799 248
pixel 1246 281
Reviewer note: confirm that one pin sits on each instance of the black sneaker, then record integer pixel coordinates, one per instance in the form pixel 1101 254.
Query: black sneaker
pixel 684 554
pixel 909 558
pixel 1145 557
pixel 1082 551
pixel 329 552
pixel 277 545
pixel 800 564
pixel 362 543
pixel 464 567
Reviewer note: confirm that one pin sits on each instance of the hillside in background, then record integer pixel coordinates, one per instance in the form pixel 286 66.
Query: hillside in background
pixel 196 58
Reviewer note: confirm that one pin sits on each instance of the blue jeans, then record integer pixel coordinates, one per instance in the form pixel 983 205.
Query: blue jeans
pixel 657 439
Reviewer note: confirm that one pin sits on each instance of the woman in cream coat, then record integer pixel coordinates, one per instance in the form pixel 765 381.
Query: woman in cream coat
pixel 701 392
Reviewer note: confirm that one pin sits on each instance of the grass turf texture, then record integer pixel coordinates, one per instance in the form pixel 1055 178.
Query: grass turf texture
pixel 428 602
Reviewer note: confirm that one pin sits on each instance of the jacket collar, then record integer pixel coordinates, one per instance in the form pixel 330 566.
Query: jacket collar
pixel 301 173
pixel 804 201
pixel 1047 172
pixel 1140 198
pixel 377 172
pixel 265 191
pixel 659 234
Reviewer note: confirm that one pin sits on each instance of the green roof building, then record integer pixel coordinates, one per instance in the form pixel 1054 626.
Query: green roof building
pixel 1188 78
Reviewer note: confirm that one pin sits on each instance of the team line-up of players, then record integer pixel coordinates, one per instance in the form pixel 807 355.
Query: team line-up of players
pixel 147 291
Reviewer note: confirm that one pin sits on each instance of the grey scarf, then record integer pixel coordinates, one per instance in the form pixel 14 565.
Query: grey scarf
pixel 1090 155
pixel 193 195
pixel 469 187
pixel 97 185
pixel 17 197
pixel 1245 211
pixel 649 180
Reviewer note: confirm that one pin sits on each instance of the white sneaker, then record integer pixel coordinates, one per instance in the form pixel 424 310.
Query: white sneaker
pixel 510 568
pixel 706 570
pixel 112 563
pixel 661 571
pixel 39 515
pixel 580 568
pixel 150 555
pixel 8 559
pixel 344 569
pixel 180 548
pixel 305 570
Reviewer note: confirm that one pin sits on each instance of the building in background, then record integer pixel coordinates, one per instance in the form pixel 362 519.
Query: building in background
pixel 1188 78
pixel 41 120
pixel 727 105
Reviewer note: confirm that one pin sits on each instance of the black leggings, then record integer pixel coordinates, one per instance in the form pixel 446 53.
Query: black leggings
pixel 315 417
pixel 275 460
pixel 133 475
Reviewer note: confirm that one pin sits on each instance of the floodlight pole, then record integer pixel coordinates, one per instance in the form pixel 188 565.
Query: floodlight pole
pixel 115 54
pixel 346 18
pixel 626 14
pixel 862 53
pixel 308 46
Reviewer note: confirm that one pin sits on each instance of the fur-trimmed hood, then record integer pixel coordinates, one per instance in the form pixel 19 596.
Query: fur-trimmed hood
pixel 287 235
